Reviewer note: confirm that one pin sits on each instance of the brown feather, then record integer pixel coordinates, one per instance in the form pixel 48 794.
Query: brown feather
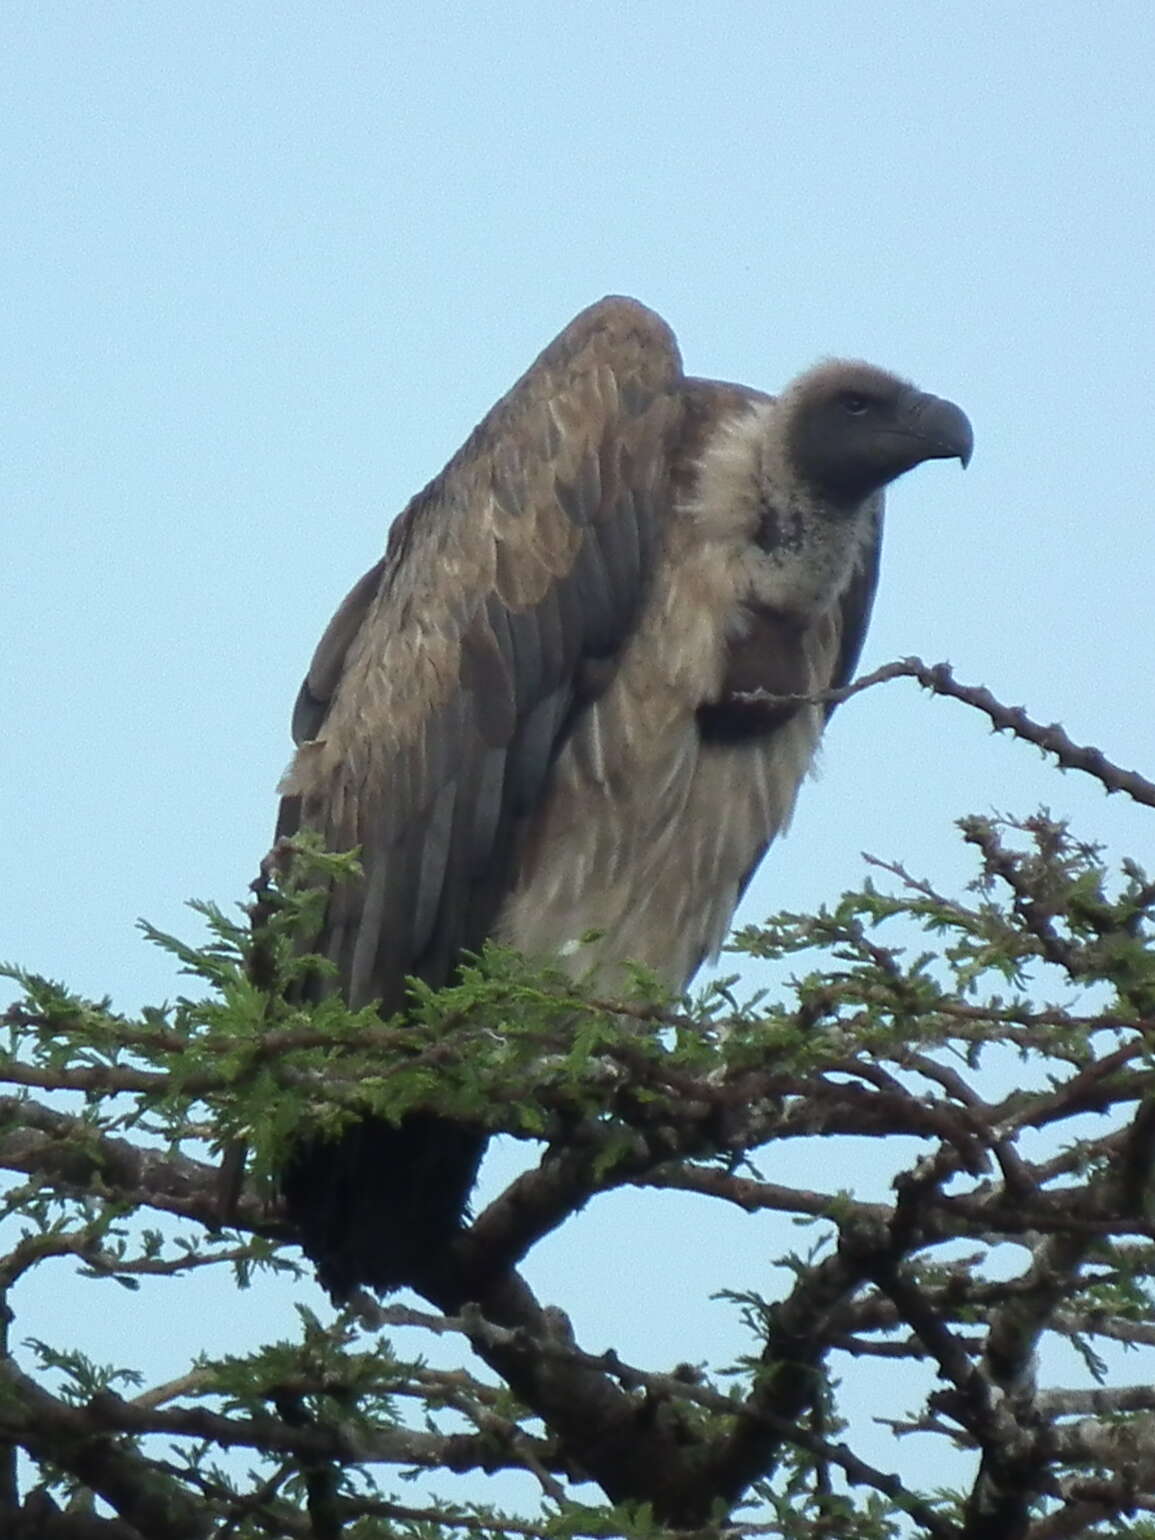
pixel 438 700
pixel 539 717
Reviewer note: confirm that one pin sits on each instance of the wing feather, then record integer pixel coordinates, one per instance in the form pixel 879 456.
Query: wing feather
pixel 446 682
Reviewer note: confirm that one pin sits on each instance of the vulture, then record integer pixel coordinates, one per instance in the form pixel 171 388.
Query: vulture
pixel 544 713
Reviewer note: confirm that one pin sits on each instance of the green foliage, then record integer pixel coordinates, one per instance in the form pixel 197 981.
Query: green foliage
pixel 80 1378
pixel 905 991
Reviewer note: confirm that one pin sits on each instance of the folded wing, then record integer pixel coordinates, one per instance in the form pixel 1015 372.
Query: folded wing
pixel 438 699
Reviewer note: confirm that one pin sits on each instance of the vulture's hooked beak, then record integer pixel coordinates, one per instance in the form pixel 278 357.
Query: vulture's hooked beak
pixel 944 428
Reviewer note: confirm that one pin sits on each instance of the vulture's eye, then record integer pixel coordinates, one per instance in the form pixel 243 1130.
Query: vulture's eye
pixel 856 405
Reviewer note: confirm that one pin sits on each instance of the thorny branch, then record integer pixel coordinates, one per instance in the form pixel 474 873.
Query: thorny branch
pixel 939 679
pixel 875 1047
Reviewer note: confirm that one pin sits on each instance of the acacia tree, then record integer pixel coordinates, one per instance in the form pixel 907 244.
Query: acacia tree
pixel 109 1122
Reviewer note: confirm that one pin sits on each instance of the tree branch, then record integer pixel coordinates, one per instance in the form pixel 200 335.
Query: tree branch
pixel 939 679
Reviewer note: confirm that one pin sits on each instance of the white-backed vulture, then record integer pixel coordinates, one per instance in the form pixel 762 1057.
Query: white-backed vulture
pixel 537 715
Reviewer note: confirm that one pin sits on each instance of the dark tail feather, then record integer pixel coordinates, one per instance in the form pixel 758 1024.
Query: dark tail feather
pixel 378 1205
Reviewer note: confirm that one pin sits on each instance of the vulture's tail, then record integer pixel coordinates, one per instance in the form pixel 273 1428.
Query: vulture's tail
pixel 378 1205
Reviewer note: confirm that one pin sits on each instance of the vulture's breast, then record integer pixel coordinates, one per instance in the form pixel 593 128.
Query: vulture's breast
pixel 650 830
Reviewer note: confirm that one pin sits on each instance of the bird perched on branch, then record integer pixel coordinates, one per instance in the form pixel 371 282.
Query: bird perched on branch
pixel 542 713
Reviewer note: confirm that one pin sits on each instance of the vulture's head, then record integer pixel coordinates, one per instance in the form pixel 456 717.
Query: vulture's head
pixel 851 428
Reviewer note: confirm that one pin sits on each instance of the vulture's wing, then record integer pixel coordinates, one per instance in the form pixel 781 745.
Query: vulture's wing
pixel 450 676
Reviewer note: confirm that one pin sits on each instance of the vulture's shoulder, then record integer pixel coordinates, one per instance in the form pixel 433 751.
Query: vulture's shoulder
pixel 444 685
pixel 572 452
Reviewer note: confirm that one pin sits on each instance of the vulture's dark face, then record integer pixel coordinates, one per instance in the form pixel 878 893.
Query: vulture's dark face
pixel 854 428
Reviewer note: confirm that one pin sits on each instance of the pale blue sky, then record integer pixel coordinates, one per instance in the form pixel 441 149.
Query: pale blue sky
pixel 265 265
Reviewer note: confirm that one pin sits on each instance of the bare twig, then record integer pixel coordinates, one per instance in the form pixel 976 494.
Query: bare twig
pixel 939 679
